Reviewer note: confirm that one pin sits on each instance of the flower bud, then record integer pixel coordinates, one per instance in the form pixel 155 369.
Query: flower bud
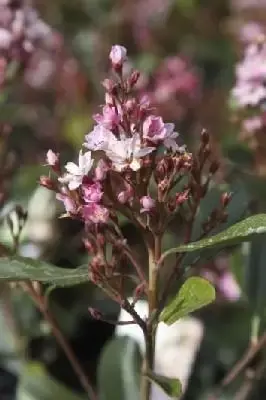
pixel 147 204
pixel 130 105
pixel 109 101
pixel 108 84
pixel 182 197
pixel 133 79
pixel 225 199
pixel 47 182
pixel 52 159
pixel 118 56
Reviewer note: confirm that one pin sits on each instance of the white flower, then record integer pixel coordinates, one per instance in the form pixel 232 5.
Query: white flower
pixel 75 173
pixel 126 152
pixel 170 142
pixel 98 138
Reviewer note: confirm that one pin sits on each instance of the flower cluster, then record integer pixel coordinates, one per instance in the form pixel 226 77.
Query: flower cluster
pixel 128 135
pixel 240 5
pixel 21 30
pixel 175 87
pixel 249 93
pixel 131 164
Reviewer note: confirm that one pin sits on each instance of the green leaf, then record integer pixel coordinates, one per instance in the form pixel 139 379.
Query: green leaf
pixel 22 268
pixel 255 275
pixel 171 386
pixel 195 293
pixel 36 384
pixel 240 232
pixel 119 370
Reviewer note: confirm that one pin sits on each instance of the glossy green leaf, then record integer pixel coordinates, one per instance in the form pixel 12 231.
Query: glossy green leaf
pixel 119 370
pixel 195 293
pixel 22 268
pixel 36 384
pixel 240 232
pixel 171 386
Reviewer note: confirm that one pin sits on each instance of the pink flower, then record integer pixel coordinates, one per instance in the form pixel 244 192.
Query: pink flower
pixel 229 287
pixel 75 173
pixel 98 138
pixel 92 193
pixel 155 130
pixel 5 39
pixel 52 158
pixel 118 55
pixel 100 171
pixel 249 94
pixel 147 204
pixel 109 119
pixel 95 213
pixel 251 31
pixel 68 202
pixel 251 77
pixel 252 124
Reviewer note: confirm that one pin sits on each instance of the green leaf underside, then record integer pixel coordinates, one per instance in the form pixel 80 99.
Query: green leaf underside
pixel 119 370
pixel 194 294
pixel 23 268
pixel 171 386
pixel 36 384
pixel 240 232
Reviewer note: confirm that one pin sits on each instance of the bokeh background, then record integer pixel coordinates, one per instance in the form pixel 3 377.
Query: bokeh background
pixel 51 67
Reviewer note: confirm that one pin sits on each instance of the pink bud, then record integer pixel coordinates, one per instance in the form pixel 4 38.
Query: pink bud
pixel 47 182
pixel 109 99
pixel 52 159
pixel 108 84
pixel 229 287
pixel 147 204
pixel 117 55
pixel 182 197
pixel 130 105
pixel 133 79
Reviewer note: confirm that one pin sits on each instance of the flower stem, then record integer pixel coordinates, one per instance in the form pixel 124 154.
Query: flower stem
pixel 62 341
pixel 148 362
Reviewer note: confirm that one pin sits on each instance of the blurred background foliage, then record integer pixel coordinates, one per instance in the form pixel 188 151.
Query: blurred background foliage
pixel 187 51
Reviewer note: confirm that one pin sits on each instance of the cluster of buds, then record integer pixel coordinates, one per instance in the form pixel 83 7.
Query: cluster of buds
pixel 21 30
pixel 174 88
pixel 139 171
